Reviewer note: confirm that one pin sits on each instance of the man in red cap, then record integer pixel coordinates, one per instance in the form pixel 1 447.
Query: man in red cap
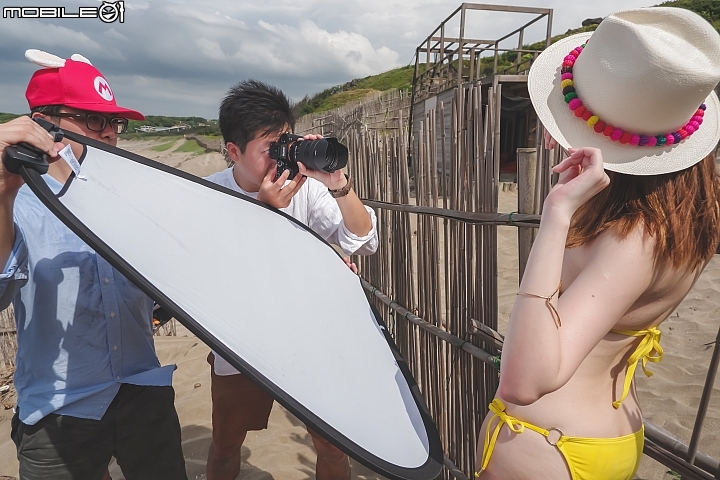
pixel 89 383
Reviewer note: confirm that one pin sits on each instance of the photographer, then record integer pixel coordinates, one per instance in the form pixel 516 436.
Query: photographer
pixel 253 116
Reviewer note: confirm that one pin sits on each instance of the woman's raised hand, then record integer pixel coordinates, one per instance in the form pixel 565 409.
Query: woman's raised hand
pixel 582 176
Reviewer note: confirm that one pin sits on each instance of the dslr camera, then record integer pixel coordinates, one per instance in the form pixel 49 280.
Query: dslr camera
pixel 324 154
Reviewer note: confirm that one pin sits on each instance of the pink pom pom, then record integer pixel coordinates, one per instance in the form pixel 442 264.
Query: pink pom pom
pixel 635 139
pixel 652 141
pixel 697 118
pixel 690 129
pixel 617 133
pixel 574 103
pixel 566 76
pixel 669 139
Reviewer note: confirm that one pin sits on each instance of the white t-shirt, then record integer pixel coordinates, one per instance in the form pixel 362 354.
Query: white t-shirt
pixel 316 208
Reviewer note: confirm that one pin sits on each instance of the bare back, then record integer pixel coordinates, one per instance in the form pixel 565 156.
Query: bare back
pixel 596 278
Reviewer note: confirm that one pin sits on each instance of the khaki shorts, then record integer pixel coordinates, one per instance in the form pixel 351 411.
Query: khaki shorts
pixel 238 406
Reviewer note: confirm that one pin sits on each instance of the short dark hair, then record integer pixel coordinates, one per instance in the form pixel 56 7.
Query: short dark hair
pixel 250 108
pixel 49 110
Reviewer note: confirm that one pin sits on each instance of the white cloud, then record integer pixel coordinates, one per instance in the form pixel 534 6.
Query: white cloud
pixel 308 48
pixel 180 56
pixel 47 36
pixel 113 34
pixel 210 49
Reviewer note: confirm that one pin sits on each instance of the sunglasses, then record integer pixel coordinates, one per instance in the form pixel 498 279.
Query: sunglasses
pixel 97 123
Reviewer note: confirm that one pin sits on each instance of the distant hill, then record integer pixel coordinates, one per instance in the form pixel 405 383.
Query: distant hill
pixel 334 97
pixel 196 125
pixel 401 78
pixel 398 78
pixel 6 117
pixel 708 9
pixel 191 125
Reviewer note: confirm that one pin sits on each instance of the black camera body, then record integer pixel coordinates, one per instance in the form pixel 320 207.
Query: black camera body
pixel 25 155
pixel 324 154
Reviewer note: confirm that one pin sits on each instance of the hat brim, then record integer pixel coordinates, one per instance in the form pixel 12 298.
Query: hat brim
pixel 570 131
pixel 104 108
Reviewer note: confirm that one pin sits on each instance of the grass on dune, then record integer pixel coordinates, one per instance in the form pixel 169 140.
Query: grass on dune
pixel 163 146
pixel 340 99
pixel 191 146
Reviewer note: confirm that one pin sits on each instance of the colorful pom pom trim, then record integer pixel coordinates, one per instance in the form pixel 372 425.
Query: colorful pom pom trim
pixel 617 134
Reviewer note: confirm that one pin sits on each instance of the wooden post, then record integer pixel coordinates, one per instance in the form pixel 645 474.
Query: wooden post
pixel 519 53
pixel 527 165
pixel 461 47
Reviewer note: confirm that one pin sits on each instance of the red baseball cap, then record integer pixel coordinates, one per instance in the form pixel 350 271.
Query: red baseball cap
pixel 78 85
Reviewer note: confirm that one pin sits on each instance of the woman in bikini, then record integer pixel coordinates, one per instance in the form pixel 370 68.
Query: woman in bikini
pixel 625 233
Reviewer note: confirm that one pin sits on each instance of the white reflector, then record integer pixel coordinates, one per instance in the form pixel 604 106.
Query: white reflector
pixel 263 291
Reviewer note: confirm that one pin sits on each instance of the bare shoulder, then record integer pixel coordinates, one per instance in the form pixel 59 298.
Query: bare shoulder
pixel 630 260
pixel 615 251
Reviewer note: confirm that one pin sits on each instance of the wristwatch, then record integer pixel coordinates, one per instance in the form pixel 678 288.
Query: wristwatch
pixel 341 192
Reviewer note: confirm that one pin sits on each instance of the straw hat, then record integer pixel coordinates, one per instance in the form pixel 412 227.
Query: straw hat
pixel 641 77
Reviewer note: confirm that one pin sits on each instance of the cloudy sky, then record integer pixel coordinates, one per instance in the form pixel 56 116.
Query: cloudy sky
pixel 178 57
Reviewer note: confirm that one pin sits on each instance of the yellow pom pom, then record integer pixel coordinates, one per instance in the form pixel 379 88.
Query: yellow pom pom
pixel 566 83
pixel 593 120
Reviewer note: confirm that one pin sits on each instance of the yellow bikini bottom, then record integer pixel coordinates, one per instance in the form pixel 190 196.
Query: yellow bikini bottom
pixel 587 458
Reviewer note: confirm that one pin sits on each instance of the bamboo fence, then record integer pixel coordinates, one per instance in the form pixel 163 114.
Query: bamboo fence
pixel 376 112
pixel 8 339
pixel 433 277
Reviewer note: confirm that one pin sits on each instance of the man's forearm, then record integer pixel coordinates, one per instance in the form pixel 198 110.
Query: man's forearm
pixel 356 218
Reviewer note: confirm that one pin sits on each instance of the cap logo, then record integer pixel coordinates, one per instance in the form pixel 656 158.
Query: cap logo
pixel 103 88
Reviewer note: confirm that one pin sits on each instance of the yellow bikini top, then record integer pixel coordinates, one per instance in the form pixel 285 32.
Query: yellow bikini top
pixel 649 349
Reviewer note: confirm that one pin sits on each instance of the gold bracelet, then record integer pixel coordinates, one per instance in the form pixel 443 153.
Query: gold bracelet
pixel 553 310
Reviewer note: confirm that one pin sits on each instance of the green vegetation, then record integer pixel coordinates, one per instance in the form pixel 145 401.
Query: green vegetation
pixel 6 117
pixel 708 9
pixel 342 98
pixel 339 95
pixel 402 77
pixel 163 147
pixel 399 78
pixel 190 146
pixel 196 126
pixel 162 121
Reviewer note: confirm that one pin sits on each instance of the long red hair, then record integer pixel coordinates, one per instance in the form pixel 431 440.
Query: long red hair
pixel 680 210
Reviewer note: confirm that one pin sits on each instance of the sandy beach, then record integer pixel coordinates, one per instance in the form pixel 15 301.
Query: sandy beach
pixel 284 451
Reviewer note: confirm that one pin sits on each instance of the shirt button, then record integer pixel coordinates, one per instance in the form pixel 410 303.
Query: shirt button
pixel 107 280
pixel 112 314
pixel 115 348
pixel 117 378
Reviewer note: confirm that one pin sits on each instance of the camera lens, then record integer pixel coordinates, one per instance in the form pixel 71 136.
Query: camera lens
pixel 324 154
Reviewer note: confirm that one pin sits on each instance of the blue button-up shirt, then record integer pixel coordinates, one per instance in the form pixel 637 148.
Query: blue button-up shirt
pixel 82 327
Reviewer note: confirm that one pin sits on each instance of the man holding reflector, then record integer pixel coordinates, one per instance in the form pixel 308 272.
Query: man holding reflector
pixel 89 383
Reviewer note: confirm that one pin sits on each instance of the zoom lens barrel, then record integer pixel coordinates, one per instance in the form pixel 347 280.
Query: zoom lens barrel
pixel 324 154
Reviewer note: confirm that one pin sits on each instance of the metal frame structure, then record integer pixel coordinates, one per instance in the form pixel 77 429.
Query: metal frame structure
pixel 447 70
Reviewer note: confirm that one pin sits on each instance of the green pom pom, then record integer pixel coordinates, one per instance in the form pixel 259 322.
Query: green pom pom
pixel 570 96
